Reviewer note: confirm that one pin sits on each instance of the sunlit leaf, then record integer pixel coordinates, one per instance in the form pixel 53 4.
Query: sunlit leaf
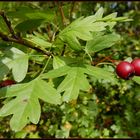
pixel 16 60
pixel 76 79
pixel 101 42
pixel 25 107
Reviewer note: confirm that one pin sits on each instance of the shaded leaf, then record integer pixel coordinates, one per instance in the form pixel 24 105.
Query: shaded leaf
pixel 48 15
pixel 4 69
pixel 29 24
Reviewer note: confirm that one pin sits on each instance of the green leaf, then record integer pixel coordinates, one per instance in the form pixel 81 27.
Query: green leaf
pixel 17 61
pixel 73 42
pixel 13 90
pixel 111 24
pixel 21 134
pixel 99 13
pixel 73 83
pixel 100 73
pixel 110 16
pixel 106 132
pixel 28 13
pixel 25 106
pixel 48 15
pixel 81 29
pixel 39 41
pixel 62 133
pixel 47 93
pixel 76 80
pixel 136 79
pixel 20 13
pixel 20 68
pixel 99 26
pixel 56 72
pixel 29 24
pixel 128 59
pixel 3 26
pixel 4 69
pixel 113 18
pixel 100 42
pixel 122 19
pixel 57 62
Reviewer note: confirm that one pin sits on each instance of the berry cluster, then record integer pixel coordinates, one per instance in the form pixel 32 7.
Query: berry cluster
pixel 126 70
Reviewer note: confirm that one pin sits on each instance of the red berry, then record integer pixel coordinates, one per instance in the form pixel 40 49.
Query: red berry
pixel 125 70
pixel 136 65
pixel 7 83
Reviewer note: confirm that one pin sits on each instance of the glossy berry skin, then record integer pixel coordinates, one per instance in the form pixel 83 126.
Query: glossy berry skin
pixel 7 83
pixel 125 70
pixel 136 65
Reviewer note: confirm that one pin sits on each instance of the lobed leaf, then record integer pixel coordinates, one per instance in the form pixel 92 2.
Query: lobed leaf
pixel 76 80
pixel 81 29
pixel 73 83
pixel 20 68
pixel 25 106
pixel 17 61
pixel 99 73
pixel 99 13
pixel 5 66
pixel 57 62
pixel 56 72
pixel 101 42
pixel 39 41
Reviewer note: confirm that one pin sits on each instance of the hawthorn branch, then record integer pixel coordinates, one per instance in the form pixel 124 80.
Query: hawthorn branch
pixel 62 14
pixel 8 23
pixel 16 39
pixel 24 42
pixel 49 32
pixel 64 23
pixel 108 58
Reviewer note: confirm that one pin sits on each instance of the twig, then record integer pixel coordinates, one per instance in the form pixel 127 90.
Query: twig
pixel 17 39
pixel 104 59
pixel 62 14
pixel 71 11
pixel 49 32
pixel 24 42
pixel 8 23
pixel 63 21
pixel 45 65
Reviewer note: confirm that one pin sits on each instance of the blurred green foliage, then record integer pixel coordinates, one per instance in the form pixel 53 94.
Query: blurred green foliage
pixel 109 110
